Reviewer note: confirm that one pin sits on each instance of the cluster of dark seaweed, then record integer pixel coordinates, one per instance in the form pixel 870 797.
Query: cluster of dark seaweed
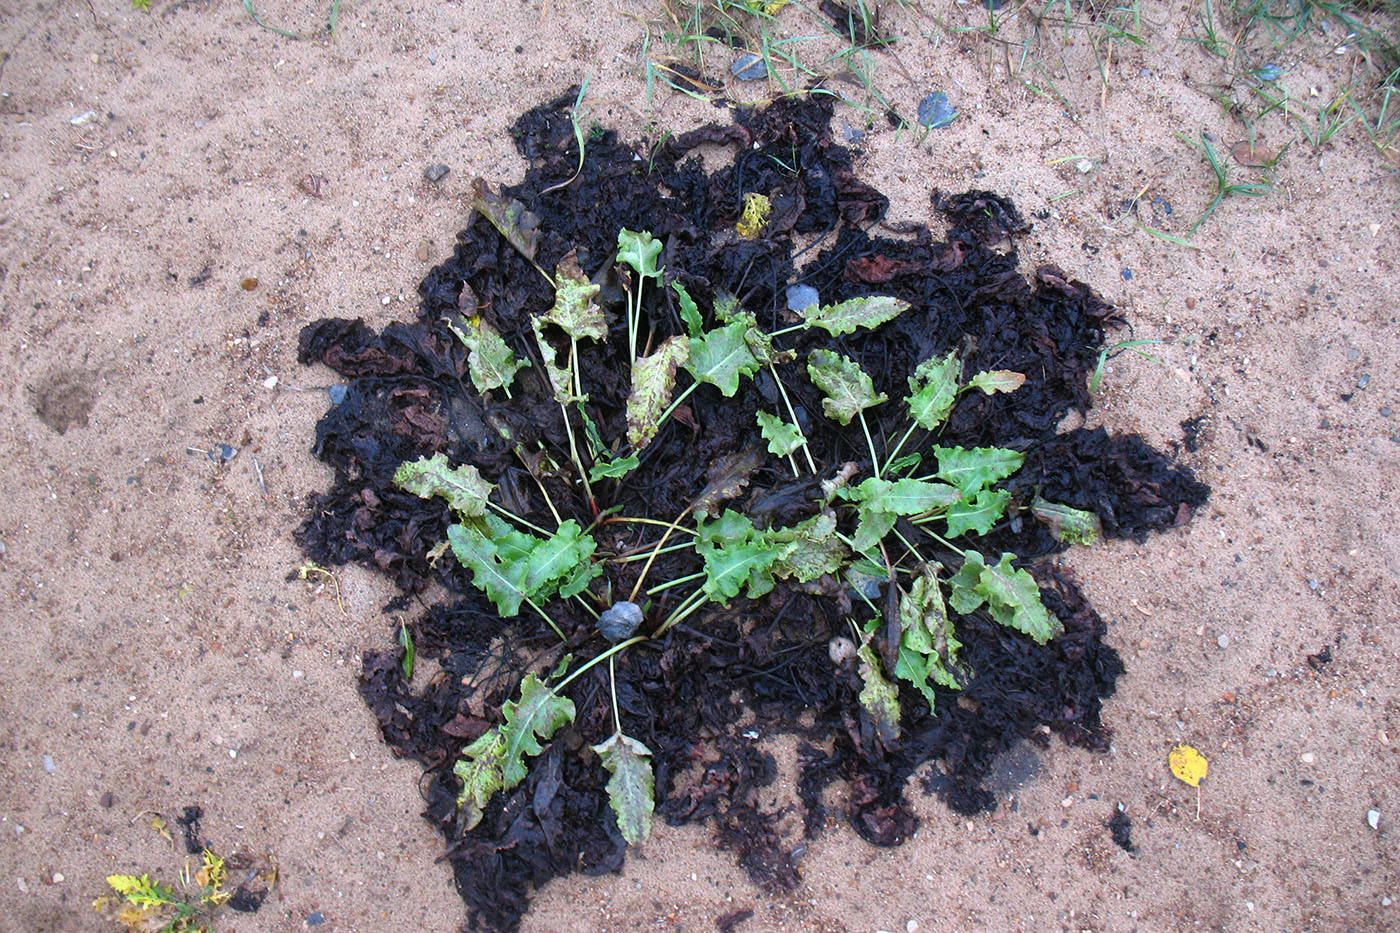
pixel 686 695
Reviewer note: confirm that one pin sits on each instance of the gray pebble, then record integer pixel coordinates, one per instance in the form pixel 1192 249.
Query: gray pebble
pixel 49 766
pixel 620 621
pixel 1223 641
pixel 337 393
pixel 801 297
pixel 1364 381
pixel 1373 819
pixel 436 173
pixel 749 67
pixel 1387 412
pixel 935 112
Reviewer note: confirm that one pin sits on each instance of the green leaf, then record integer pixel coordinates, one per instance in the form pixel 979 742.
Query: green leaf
pixel 964 595
pixel 555 557
pixel 491 363
pixel 928 646
pixel 997 380
pixel 721 356
pixel 463 487
pixel 409 653
pixel 578 579
pixel 871 527
pixel 508 216
pixel 848 389
pixel 496 761
pixel 613 469
pixel 1073 526
pixel 782 438
pixel 575 312
pixel 979 515
pixel 844 318
pixel 934 389
pixel 903 464
pixel 736 555
pixel 809 548
pixel 973 469
pixel 904 496
pixel 503 582
pixel 640 251
pixel 631 788
pixel 1013 599
pixel 653 383
pixel 690 312
pixel 878 697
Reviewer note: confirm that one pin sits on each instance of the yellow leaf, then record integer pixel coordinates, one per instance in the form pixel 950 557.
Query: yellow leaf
pixel 755 219
pixel 1188 764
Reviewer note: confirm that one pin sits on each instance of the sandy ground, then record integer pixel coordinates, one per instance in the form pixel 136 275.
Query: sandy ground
pixel 156 656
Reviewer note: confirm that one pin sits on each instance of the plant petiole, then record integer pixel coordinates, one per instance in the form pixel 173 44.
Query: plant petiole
pixel 676 582
pixel 635 639
pixel 792 413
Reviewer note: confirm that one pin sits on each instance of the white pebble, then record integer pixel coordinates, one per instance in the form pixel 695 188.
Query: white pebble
pixel 1373 819
pixel 1307 758
pixel 911 926
pixel 58 877
pixel 1223 641
pixel 270 382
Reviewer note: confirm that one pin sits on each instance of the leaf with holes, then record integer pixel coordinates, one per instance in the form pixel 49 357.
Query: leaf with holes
pixel 1013 599
pixel 509 216
pixel 653 383
pixel 847 388
pixel 463 487
pixel 854 313
pixel 809 549
pixel 928 646
pixel 631 789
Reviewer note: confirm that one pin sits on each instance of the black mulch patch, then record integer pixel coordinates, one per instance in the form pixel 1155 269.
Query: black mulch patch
pixel 689 696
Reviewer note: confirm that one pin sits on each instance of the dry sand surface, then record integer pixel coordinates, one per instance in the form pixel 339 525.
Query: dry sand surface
pixel 155 655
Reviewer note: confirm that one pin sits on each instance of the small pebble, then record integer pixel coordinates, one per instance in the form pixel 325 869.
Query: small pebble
pixel 249 283
pixel 801 297
pixel 911 926
pixel 1128 275
pixel 935 112
pixel 1307 758
pixel 436 172
pixel 337 393
pixel 749 67
pixel 270 382
pixel 1373 819
pixel 1084 166
pixel 1386 902
pixel 223 453
pixel 107 800
pixel 1223 641
pixel 49 766
pixel 1364 381
pixel 425 251
pixel 315 920
pixel 1387 412
pixel 58 877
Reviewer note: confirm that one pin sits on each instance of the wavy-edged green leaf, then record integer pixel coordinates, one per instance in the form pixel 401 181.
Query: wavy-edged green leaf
pixel 997 380
pixel 878 697
pixel 933 388
pixel 578 579
pixel 978 514
pixel 690 312
pixel 491 363
pixel 496 760
pixel 1013 599
pixel 631 789
pixel 613 469
pixel 653 383
pixel 972 469
pixel 904 496
pixel 639 249
pixel 1070 525
pixel 871 527
pixel 847 316
pixel 810 548
pixel 928 645
pixel 721 356
pixel 463 487
pixel 509 216
pixel 575 312
pixel 963 593
pixel 782 438
pixel 553 558
pixel 736 556
pixel 503 582
pixel 847 388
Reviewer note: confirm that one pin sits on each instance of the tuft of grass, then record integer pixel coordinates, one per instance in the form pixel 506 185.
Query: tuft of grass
pixel 1220 171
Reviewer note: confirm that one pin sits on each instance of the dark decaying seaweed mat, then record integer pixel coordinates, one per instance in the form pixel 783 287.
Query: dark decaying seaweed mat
pixel 697 696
